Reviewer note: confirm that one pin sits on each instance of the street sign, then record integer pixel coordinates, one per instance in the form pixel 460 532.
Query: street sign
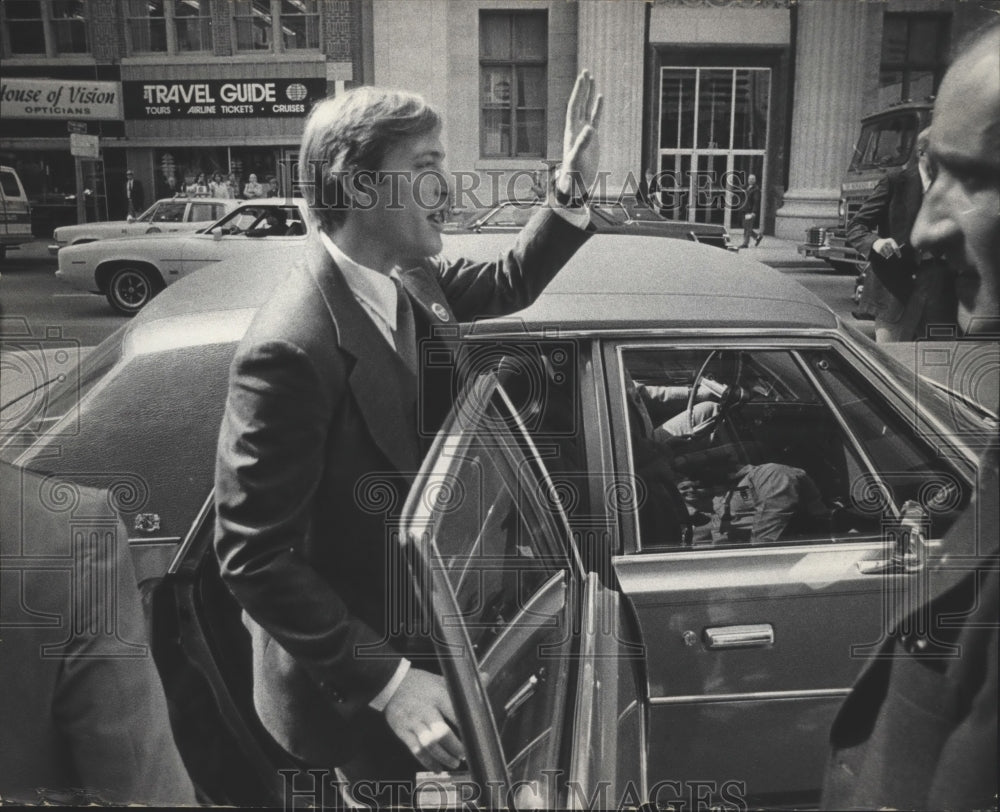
pixel 77 127
pixel 84 146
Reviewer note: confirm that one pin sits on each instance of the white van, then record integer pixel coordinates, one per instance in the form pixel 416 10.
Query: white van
pixel 15 211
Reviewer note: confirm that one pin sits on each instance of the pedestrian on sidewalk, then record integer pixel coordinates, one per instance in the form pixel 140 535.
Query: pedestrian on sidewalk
pixel 905 290
pixel 751 213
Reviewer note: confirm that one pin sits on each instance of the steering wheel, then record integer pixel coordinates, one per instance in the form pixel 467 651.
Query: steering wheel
pixel 732 397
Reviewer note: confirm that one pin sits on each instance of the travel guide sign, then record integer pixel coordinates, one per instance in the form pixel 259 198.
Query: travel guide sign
pixel 214 98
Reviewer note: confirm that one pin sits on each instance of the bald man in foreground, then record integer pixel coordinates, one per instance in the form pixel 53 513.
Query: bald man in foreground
pixel 919 729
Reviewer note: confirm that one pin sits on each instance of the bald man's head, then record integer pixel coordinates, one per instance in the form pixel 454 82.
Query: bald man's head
pixel 960 215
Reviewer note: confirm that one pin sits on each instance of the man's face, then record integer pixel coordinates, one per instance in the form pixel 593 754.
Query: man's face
pixel 960 215
pixel 410 201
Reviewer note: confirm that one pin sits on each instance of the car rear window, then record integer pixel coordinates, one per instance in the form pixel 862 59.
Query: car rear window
pixel 9 184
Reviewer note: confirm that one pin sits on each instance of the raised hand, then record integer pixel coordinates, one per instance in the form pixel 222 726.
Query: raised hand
pixel 581 148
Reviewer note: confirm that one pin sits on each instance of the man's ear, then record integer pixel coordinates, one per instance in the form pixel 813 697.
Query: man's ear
pixel 359 188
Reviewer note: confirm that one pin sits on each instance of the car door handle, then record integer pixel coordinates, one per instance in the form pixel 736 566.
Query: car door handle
pixel 756 634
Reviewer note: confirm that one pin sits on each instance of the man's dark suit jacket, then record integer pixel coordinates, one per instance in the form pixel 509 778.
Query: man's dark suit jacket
pixel 82 710
pixel 318 447
pixel 889 211
pixel 919 729
pixel 137 197
pixel 751 203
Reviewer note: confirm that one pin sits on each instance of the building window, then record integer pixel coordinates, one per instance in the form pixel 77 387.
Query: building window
pixel 914 55
pixel 513 50
pixel 169 26
pixel 300 24
pixel 276 25
pixel 193 24
pixel 45 27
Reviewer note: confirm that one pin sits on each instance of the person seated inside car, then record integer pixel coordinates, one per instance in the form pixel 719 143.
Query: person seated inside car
pixel 657 417
pixel 666 407
pixel 276 225
pixel 753 504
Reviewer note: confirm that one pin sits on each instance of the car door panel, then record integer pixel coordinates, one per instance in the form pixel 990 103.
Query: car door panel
pixel 757 712
pixel 752 643
pixel 607 759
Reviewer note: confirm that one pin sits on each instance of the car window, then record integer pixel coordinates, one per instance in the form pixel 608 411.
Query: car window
pixel 170 212
pixel 239 221
pixel 511 216
pixel 8 183
pixel 148 215
pixel 500 548
pixel 205 211
pixel 774 447
pixel 613 212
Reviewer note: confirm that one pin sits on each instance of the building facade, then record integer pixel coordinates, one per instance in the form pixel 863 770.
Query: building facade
pixel 201 86
pixel 698 93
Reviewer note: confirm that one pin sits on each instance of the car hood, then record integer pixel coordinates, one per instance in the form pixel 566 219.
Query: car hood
pixel 109 227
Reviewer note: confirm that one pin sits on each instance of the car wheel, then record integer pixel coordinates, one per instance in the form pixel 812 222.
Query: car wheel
pixel 130 289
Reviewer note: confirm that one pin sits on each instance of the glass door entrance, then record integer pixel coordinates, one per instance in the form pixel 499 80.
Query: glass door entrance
pixel 713 134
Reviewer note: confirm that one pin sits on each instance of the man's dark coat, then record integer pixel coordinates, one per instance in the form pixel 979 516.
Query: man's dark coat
pixel 911 285
pixel 318 446
pixel 919 729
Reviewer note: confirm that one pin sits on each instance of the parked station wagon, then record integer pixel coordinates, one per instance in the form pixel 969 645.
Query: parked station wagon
pixel 654 541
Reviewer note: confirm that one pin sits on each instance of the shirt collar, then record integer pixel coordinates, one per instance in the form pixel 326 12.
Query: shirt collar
pixel 375 290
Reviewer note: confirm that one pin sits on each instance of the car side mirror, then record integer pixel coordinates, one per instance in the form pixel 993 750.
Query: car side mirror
pixel 217 235
pixel 130 219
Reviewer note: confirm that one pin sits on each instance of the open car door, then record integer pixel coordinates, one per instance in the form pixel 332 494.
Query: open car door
pixel 548 711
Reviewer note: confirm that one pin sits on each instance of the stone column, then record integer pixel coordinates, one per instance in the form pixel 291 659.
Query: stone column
pixel 829 91
pixel 611 41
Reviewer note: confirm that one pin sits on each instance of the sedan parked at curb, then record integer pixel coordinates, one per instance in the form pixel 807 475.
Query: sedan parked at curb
pixel 169 215
pixel 607 216
pixel 130 271
pixel 653 543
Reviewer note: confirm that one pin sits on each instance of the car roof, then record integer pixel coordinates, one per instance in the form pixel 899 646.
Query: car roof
pixel 274 201
pixel 662 283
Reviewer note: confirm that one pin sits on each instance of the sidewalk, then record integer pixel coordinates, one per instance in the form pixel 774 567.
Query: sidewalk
pixel 778 253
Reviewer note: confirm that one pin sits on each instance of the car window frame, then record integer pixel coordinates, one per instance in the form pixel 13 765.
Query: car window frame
pixel 473 705
pixel 624 462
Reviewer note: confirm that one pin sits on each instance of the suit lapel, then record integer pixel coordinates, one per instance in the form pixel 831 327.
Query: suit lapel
pixel 384 389
pixel 428 297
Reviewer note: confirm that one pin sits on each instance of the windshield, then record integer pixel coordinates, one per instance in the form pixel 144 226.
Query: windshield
pixel 963 369
pixel 886 142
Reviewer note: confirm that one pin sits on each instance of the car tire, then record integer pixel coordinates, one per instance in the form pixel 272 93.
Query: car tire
pixel 131 288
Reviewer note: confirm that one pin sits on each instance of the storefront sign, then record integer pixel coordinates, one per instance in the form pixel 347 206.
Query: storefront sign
pixel 212 98
pixel 60 98
pixel 84 146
